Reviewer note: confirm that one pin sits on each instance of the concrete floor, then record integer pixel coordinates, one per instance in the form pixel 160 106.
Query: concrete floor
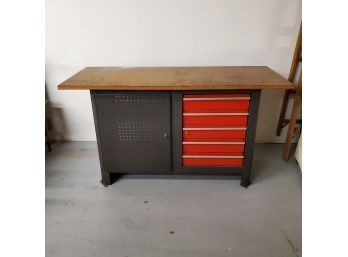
pixel 170 217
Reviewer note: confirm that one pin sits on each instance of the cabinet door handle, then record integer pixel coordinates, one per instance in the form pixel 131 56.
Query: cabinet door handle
pixel 165 135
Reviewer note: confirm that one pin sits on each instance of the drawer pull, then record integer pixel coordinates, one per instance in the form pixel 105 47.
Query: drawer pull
pixel 213 143
pixel 215 98
pixel 214 129
pixel 213 156
pixel 217 114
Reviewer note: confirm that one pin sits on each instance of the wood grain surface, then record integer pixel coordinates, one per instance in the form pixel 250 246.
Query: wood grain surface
pixel 176 78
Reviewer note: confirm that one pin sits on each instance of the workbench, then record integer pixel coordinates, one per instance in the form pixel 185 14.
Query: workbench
pixel 176 120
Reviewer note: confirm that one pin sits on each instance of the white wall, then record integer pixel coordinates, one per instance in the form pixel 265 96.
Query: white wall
pixel 83 33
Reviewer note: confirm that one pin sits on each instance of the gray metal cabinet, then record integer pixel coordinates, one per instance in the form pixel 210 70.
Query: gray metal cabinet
pixel 141 132
pixel 133 130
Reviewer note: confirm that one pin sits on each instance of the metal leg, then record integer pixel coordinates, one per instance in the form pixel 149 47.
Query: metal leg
pixel 106 176
pixel 249 145
pixel 106 179
pixel 245 180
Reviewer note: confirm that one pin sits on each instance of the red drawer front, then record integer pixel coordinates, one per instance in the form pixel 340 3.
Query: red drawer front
pixel 228 120
pixel 213 161
pixel 216 96
pixel 220 126
pixel 220 120
pixel 211 103
pixel 210 106
pixel 214 134
pixel 213 148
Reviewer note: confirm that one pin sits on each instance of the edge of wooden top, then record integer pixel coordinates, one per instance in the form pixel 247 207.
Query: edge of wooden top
pixel 62 86
pixel 173 88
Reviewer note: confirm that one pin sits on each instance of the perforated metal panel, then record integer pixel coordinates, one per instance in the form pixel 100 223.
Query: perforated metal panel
pixel 134 131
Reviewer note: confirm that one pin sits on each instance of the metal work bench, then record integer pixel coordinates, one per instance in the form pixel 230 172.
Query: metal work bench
pixel 176 120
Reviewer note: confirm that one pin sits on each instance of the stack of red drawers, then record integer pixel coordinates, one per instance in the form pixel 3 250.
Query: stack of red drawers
pixel 214 129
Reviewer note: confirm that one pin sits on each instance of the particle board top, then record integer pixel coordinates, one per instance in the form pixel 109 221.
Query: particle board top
pixel 176 78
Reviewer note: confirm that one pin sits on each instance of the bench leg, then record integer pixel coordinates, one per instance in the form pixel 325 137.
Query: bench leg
pixel 245 179
pixel 106 179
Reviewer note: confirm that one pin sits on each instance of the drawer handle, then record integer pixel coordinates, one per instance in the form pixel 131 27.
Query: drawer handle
pixel 217 114
pixel 215 98
pixel 214 129
pixel 213 156
pixel 213 143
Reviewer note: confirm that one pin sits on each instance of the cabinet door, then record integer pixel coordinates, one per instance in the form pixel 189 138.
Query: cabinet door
pixel 134 131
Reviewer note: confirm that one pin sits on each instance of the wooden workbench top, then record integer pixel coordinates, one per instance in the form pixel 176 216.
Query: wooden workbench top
pixel 176 78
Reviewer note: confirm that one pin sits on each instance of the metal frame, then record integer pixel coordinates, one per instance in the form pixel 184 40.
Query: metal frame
pixel 250 137
pixel 106 177
pixel 175 134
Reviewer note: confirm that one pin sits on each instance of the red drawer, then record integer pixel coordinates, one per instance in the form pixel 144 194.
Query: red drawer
pixel 210 126
pixel 216 96
pixel 208 103
pixel 227 120
pixel 214 134
pixel 213 148
pixel 187 161
pixel 210 123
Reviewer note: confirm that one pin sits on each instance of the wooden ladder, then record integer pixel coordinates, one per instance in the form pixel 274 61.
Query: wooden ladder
pixel 293 130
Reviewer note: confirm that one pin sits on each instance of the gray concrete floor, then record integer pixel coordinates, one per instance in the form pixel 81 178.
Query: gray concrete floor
pixel 163 216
